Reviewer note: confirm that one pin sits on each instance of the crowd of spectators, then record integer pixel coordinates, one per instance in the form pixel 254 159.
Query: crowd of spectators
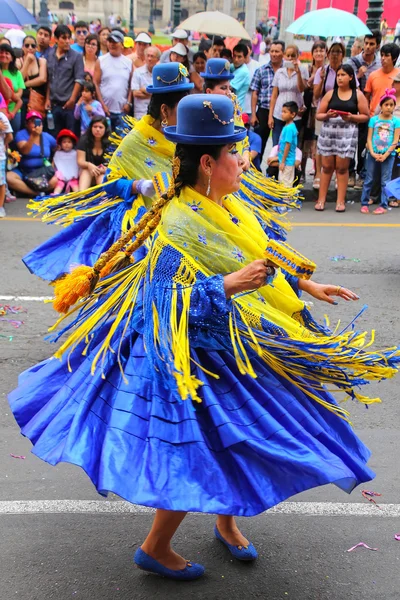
pixel 89 79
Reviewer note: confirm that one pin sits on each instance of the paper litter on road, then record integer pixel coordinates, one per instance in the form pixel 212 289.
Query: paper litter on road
pixel 397 537
pixel 368 495
pixel 341 257
pixel 17 456
pixel 359 545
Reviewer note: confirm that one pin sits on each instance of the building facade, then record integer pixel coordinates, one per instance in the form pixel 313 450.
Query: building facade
pixel 162 9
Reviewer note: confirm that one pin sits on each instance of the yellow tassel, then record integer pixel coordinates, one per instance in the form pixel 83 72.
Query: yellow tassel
pixel 73 287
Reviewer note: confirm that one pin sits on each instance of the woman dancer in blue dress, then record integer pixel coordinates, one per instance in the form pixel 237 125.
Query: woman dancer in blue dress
pixel 96 218
pixel 194 379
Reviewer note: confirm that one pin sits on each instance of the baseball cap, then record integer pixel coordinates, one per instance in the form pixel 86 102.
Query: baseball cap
pixel 116 36
pixel 179 49
pixel 143 37
pixel 128 42
pixel 33 114
pixel 180 34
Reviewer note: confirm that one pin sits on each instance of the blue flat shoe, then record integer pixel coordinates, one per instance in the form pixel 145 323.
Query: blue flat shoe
pixel 239 552
pixel 147 563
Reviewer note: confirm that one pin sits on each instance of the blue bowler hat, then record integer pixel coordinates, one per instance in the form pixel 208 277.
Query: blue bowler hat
pixel 205 119
pixel 169 77
pixel 218 68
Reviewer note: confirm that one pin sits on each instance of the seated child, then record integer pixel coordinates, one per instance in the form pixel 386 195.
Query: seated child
pixel 65 163
pixel 255 143
pixel 273 164
pixel 87 107
pixel 288 144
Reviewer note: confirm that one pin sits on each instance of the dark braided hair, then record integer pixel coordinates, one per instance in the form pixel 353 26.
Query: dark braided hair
pixel 157 100
pixel 189 159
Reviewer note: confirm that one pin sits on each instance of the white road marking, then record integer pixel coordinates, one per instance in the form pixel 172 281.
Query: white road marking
pixel 25 298
pixel 316 509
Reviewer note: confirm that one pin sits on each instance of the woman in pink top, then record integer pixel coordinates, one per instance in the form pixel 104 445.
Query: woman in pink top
pixel 256 42
pixel 91 51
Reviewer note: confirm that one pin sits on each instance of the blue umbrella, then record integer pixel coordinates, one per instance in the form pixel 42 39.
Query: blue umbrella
pixel 329 22
pixel 14 13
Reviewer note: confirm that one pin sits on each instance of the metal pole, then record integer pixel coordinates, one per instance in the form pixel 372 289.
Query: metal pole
pixel 44 13
pixel 131 21
pixel 177 12
pixel 374 12
pixel 34 8
pixel 151 21
pixel 351 40
pixel 279 19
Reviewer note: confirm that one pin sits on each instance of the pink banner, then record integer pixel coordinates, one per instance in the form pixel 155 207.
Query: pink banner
pixel 391 8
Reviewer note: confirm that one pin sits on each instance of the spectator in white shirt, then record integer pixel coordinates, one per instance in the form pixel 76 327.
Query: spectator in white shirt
pixel 112 79
pixel 142 77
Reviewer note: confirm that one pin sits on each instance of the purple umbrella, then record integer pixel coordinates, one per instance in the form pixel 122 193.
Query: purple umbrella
pixel 14 13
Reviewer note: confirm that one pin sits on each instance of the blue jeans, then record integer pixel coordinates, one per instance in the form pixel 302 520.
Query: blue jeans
pixel 16 123
pixel 116 120
pixel 376 170
pixel 277 130
pixel 63 119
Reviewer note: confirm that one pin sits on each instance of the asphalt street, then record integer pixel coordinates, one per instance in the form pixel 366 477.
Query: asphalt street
pixel 80 549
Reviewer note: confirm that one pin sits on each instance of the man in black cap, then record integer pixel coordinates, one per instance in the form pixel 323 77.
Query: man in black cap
pixel 112 78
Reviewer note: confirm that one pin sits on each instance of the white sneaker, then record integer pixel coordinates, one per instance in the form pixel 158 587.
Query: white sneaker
pixel 2 212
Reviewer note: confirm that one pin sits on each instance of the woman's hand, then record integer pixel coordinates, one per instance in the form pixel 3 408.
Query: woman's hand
pixel 30 58
pixel 296 65
pixel 348 117
pixel 323 292
pixel 37 130
pixel 3 126
pixel 271 122
pixel 93 170
pixel 331 114
pixel 250 277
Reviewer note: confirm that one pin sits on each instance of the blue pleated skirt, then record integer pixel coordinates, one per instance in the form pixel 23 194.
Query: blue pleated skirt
pixel 250 444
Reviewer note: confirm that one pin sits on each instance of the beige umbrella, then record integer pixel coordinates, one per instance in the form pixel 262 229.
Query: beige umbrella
pixel 215 23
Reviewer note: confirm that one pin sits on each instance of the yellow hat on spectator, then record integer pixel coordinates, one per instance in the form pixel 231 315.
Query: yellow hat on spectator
pixel 128 42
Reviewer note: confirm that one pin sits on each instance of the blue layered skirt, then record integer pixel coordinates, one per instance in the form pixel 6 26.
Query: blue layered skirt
pixel 250 443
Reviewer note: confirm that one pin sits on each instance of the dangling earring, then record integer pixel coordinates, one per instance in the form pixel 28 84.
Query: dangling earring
pixel 164 122
pixel 209 185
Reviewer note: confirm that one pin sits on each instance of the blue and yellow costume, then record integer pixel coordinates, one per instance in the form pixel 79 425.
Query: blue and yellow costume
pixel 95 219
pixel 173 396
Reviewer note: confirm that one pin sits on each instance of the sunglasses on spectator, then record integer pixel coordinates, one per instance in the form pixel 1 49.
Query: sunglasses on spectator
pixel 29 45
pixel 81 31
